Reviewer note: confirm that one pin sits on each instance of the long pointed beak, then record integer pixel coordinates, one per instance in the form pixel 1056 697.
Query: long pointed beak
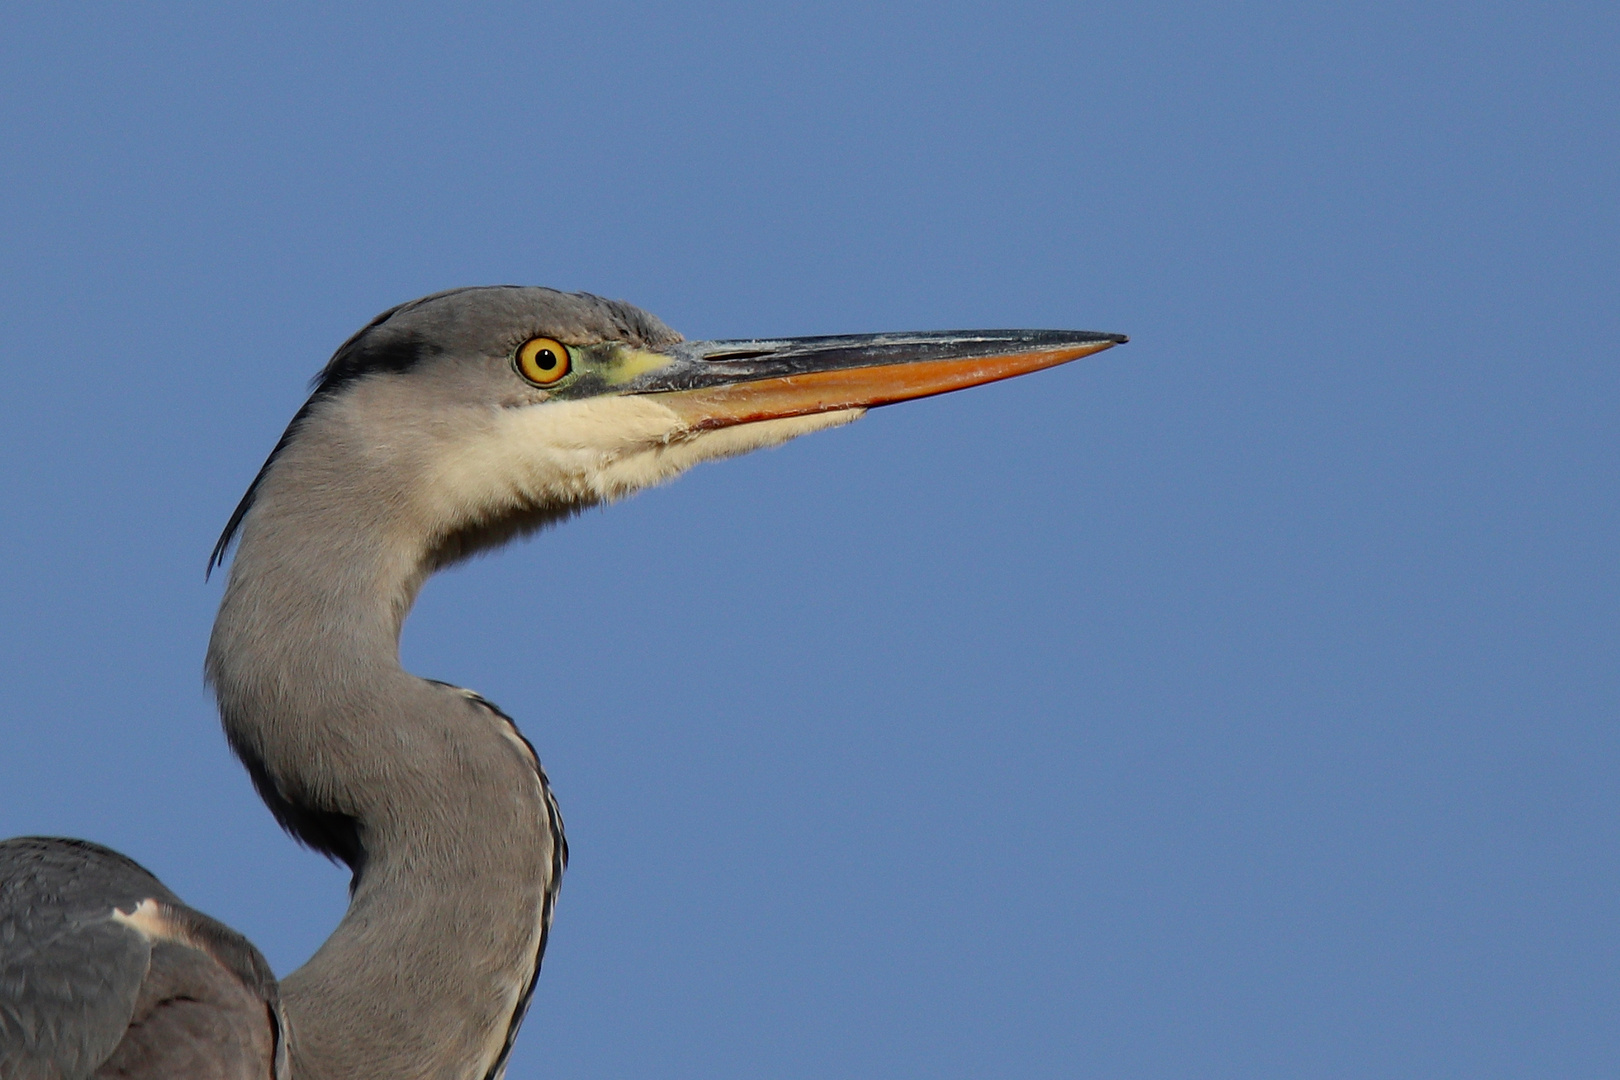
pixel 719 383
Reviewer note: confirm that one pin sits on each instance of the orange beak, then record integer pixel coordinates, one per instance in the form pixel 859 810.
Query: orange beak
pixel 715 384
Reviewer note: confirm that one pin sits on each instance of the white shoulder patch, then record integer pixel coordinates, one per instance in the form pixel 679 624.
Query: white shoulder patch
pixel 148 921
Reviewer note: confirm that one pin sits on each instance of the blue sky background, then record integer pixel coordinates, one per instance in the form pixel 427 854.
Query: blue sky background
pixel 1239 703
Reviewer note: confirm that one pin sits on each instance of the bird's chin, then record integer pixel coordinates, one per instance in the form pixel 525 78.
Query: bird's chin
pixel 654 464
pixel 707 444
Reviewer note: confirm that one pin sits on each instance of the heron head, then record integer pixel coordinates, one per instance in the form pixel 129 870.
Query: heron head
pixel 470 414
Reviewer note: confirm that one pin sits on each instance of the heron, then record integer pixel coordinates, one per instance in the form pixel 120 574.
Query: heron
pixel 446 426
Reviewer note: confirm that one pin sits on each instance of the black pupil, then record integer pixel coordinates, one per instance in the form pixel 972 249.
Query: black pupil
pixel 546 360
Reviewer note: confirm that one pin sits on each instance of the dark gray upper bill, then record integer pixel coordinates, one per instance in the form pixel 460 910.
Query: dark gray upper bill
pixel 717 363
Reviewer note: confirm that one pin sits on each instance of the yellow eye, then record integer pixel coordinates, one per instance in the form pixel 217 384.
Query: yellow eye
pixel 543 360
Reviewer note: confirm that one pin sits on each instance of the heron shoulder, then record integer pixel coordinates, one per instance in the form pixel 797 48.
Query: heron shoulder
pixel 103 968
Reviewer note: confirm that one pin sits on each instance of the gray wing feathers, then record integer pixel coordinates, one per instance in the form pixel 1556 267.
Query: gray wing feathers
pixel 64 1006
pixel 193 1020
pixel 69 975
pixel 83 995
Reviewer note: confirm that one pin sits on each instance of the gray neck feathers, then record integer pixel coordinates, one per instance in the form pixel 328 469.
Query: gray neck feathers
pixel 427 795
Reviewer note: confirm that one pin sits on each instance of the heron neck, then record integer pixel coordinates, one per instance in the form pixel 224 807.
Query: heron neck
pixel 431 798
